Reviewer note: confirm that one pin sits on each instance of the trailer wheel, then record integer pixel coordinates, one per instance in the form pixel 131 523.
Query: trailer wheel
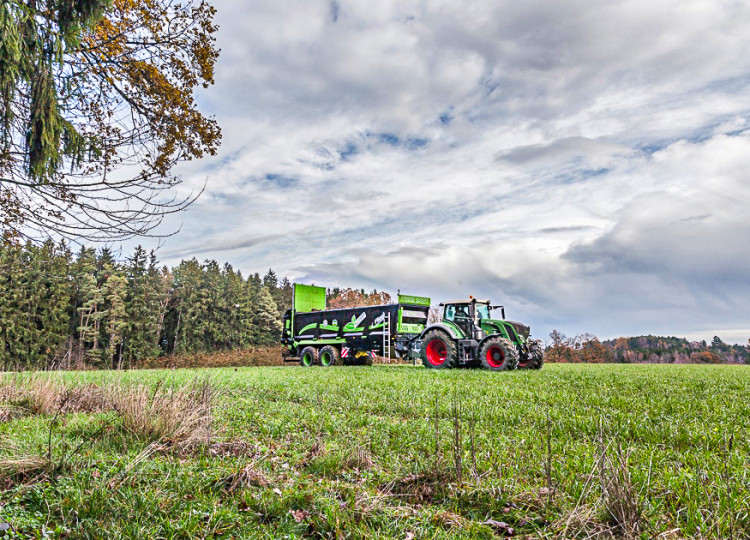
pixel 329 356
pixel 438 350
pixel 498 354
pixel 535 357
pixel 308 356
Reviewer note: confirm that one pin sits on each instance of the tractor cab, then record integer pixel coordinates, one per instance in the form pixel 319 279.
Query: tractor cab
pixel 468 315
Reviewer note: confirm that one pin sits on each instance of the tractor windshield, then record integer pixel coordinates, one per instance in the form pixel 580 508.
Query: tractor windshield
pixel 483 311
pixel 456 311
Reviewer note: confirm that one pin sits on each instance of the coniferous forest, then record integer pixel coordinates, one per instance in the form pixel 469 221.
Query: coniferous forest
pixel 89 308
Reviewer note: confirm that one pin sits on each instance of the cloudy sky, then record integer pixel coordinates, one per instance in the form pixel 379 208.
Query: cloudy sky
pixel 585 163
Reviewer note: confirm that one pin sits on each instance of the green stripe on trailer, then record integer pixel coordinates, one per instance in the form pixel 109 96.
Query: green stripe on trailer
pixel 413 300
pixel 304 342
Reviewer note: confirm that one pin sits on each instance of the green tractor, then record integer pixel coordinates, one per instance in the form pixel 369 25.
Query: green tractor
pixel 468 336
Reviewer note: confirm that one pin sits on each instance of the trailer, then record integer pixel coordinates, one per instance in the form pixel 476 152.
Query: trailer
pixel 314 334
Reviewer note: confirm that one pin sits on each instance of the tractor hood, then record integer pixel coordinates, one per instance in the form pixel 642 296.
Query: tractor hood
pixel 521 329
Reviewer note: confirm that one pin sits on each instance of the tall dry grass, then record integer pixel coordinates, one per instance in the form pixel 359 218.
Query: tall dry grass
pixel 177 416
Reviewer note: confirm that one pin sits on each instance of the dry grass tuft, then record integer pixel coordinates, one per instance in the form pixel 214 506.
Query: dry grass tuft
pixel 22 469
pixel 180 417
pixel 418 488
pixel 619 502
pixel 619 497
pixel 41 395
pixel 250 475
pixel 584 521
pixel 9 412
pixel 360 460
pixel 234 448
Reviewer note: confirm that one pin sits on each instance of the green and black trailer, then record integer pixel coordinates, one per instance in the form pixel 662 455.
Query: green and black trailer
pixel 314 334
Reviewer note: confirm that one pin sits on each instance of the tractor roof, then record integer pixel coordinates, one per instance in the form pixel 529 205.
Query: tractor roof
pixel 465 301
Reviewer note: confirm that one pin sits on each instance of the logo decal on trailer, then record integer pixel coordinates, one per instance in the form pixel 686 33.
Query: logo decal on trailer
pixel 344 352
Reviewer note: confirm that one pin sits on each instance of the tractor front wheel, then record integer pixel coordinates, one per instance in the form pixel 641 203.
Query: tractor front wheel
pixel 329 356
pixel 308 356
pixel 438 350
pixel 535 357
pixel 498 354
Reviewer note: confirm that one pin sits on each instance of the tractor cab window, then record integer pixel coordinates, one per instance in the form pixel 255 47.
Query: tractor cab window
pixel 483 311
pixel 456 311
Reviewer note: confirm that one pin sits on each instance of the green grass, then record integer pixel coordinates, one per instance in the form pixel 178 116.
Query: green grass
pixel 374 451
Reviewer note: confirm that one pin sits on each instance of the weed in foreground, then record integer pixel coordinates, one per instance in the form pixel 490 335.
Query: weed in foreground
pixel 179 417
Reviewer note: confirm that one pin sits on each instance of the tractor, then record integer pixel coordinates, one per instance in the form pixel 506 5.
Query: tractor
pixel 468 336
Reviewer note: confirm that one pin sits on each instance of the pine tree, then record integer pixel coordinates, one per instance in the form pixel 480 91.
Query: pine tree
pixel 114 292
pixel 284 297
pixel 270 281
pixel 91 314
pixel 145 306
pixel 267 324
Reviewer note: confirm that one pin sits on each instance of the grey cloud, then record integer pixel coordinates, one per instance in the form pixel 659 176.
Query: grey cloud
pixel 586 162
pixel 571 228
pixel 560 150
pixel 213 246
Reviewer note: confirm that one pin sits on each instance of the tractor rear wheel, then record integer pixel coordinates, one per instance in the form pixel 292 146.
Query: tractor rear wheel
pixel 498 354
pixel 438 350
pixel 329 356
pixel 308 357
pixel 535 357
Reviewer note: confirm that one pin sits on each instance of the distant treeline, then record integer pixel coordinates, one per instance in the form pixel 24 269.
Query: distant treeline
pixel 60 309
pixel 644 349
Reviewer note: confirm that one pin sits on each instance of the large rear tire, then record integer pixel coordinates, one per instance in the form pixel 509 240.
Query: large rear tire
pixel 438 350
pixel 329 356
pixel 498 354
pixel 308 357
pixel 535 357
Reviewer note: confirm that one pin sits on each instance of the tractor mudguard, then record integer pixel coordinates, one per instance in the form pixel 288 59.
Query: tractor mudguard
pixel 449 329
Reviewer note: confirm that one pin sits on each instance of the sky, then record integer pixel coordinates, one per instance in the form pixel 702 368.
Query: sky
pixel 586 164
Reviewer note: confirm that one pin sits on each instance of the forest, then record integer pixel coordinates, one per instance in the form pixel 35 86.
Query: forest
pixel 587 348
pixel 66 310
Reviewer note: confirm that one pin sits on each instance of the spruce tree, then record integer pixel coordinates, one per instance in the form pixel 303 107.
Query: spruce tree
pixel 267 322
pixel 115 291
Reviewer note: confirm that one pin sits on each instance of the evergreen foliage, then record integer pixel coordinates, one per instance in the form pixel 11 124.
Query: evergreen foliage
pixel 60 310
pixel 91 87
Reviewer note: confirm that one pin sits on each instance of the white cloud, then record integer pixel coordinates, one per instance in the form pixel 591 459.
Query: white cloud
pixel 584 164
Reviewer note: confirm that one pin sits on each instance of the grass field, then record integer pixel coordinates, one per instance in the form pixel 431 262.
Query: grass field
pixel 573 451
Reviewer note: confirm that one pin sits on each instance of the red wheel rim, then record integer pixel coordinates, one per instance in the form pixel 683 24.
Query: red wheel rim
pixel 437 352
pixel 495 356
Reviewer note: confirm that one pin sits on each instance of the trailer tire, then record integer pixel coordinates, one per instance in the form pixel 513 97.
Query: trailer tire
pixel 498 354
pixel 535 357
pixel 308 357
pixel 329 356
pixel 438 351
